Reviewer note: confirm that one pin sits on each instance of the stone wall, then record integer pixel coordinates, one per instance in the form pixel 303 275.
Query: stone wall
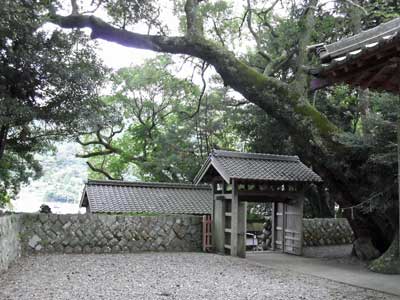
pixel 10 247
pixel 92 233
pixel 316 232
pixel 326 232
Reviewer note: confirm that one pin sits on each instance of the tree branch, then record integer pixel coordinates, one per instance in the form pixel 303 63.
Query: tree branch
pixel 217 32
pixel 3 139
pixel 93 154
pixel 202 92
pixel 306 23
pixel 265 13
pixel 270 94
pixel 80 142
pixel 101 141
pixel 194 21
pixel 107 144
pixel 269 9
pixel 254 33
pixel 357 5
pixel 101 171
pixel 75 7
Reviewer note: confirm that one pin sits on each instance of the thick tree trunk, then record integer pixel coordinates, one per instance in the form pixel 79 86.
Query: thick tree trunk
pixel 398 181
pixel 318 205
pixel 374 225
pixel 327 208
pixel 3 139
pixel 389 262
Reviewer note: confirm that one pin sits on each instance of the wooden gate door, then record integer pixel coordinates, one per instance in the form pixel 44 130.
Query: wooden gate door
pixel 288 227
pixel 278 226
pixel 293 219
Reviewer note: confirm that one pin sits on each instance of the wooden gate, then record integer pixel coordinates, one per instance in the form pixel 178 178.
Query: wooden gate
pixel 278 222
pixel 288 227
pixel 207 242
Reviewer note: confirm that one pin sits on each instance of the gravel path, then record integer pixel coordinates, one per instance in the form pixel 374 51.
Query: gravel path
pixel 163 276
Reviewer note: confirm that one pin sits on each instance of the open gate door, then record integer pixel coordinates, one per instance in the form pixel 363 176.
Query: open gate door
pixel 278 226
pixel 288 227
pixel 293 228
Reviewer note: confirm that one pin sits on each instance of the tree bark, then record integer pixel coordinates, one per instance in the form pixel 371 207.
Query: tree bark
pixel 398 176
pixel 389 262
pixel 3 139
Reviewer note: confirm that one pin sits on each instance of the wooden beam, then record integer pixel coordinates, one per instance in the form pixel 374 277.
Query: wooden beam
pixel 284 209
pixel 368 62
pixel 279 195
pixel 360 78
pixel 242 222
pixel 218 222
pixel 371 67
pixel 234 219
pixel 377 75
pixel 273 224
pixel 395 78
pixel 213 239
pixel 218 179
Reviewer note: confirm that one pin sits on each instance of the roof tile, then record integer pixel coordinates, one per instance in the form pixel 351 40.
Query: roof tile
pixel 260 167
pixel 351 48
pixel 123 197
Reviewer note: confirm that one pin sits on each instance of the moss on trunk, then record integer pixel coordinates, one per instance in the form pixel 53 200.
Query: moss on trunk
pixel 389 262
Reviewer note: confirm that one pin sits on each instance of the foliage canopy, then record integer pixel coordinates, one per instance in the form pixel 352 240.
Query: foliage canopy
pixel 48 89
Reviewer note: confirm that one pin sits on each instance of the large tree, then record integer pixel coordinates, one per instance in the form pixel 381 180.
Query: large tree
pixel 48 89
pixel 273 79
pixel 167 125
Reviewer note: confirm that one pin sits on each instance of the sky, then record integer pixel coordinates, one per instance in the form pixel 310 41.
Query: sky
pixel 116 56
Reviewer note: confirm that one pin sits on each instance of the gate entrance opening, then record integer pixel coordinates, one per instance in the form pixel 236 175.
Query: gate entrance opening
pixel 238 178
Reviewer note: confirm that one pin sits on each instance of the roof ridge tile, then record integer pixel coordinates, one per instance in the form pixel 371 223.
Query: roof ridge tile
pixel 253 155
pixel 146 184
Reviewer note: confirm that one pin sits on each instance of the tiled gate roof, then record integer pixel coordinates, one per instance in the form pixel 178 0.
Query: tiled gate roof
pixel 255 166
pixel 112 196
pixel 369 59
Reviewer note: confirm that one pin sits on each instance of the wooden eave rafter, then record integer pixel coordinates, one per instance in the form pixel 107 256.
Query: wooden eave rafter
pixel 355 42
pixel 377 76
pixel 370 71
pixel 270 196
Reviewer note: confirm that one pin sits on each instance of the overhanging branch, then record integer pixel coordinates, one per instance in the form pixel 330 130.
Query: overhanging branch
pixel 101 171
pixel 105 31
pixel 95 153
pixel 272 95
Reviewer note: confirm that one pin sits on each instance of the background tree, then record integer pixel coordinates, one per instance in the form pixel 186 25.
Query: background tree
pixel 48 89
pixel 168 125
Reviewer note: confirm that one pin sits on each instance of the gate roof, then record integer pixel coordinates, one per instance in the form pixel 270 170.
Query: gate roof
pixel 255 167
pixel 112 196
pixel 369 59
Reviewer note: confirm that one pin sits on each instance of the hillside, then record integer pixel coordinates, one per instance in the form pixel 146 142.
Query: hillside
pixel 61 184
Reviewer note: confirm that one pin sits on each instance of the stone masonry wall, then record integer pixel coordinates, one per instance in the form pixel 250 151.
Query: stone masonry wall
pixel 316 232
pixel 326 232
pixel 10 247
pixel 93 233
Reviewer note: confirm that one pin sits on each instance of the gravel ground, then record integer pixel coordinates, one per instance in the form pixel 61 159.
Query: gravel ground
pixel 163 276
